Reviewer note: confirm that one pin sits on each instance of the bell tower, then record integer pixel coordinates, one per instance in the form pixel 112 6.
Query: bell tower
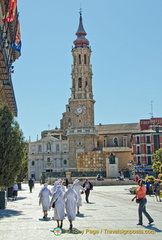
pixel 78 120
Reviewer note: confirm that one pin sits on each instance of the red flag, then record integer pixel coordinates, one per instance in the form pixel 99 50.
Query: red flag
pixel 10 12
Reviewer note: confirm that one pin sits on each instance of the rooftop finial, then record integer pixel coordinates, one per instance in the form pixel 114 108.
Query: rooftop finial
pixel 80 9
pixel 81 41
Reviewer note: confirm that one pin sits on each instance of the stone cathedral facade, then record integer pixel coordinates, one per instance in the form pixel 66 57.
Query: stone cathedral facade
pixel 80 146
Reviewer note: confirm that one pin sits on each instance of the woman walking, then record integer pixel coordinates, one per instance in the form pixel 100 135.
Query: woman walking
pixel 78 188
pixel 58 182
pixel 44 199
pixel 141 197
pixel 71 199
pixel 59 209
pixel 15 191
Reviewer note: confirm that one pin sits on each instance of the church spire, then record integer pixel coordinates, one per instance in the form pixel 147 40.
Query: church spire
pixel 81 41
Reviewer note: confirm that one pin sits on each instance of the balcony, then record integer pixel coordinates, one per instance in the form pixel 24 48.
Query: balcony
pixel 7 56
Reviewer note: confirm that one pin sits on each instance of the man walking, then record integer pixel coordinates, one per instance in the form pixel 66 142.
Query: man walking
pixel 89 186
pixel 31 184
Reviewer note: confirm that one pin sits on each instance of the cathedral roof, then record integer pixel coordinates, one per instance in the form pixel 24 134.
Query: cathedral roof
pixel 81 41
pixel 118 128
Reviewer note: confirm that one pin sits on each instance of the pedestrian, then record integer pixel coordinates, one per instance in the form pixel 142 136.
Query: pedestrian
pixel 59 209
pixel 136 178
pixel 148 187
pixel 66 182
pixel 88 186
pixel 15 191
pixel 33 181
pixel 44 199
pixel 98 177
pixel 58 182
pixel 141 199
pixel 121 176
pixel 71 199
pixel 79 189
pixel 31 184
pixel 156 189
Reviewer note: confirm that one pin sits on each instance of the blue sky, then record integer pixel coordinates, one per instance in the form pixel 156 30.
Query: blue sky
pixel 126 41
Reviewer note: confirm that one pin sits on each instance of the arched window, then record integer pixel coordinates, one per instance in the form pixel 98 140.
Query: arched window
pixel 69 122
pixel 39 148
pixel 65 162
pixel 85 59
pixel 57 148
pixel 33 163
pixel 115 142
pixel 79 82
pixel 79 58
pixel 48 146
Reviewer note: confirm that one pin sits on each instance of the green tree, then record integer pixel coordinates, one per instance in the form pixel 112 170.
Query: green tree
pixel 24 166
pixel 157 161
pixel 11 148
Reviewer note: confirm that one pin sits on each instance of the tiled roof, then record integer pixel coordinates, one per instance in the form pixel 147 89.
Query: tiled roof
pixel 118 128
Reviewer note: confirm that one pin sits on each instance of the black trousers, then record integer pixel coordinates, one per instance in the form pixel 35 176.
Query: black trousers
pixel 87 192
pixel 30 187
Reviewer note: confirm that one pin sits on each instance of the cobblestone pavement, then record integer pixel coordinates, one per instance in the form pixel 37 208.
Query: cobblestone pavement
pixel 110 215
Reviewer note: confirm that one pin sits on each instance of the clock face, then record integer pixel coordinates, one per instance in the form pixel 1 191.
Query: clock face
pixel 79 110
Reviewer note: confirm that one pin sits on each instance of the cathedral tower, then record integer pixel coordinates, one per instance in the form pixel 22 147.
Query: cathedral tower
pixel 78 120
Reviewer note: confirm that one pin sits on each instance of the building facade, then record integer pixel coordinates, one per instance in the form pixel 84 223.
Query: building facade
pixel 145 142
pixel 9 27
pixel 47 155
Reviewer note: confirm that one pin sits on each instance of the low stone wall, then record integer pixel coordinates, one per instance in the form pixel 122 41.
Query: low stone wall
pixel 105 182
pixel 113 182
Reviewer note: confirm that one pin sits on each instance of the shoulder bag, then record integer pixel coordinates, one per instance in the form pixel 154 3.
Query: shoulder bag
pixel 53 204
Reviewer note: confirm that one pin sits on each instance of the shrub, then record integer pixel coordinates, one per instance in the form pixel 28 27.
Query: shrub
pixel 150 179
pixel 160 176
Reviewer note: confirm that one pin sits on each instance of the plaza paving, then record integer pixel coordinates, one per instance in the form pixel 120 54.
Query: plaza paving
pixel 110 215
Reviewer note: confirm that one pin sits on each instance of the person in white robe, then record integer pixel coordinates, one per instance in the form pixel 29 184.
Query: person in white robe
pixel 44 199
pixel 79 189
pixel 71 198
pixel 59 210
pixel 58 182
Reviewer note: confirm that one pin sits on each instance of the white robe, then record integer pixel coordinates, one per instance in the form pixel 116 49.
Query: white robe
pixel 59 210
pixel 78 188
pixel 53 189
pixel 71 198
pixel 44 198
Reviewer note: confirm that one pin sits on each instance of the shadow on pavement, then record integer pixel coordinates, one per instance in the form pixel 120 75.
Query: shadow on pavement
pixel 151 227
pixel 9 213
pixel 79 215
pixel 45 219
pixel 91 203
pixel 72 231
pixel 18 198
